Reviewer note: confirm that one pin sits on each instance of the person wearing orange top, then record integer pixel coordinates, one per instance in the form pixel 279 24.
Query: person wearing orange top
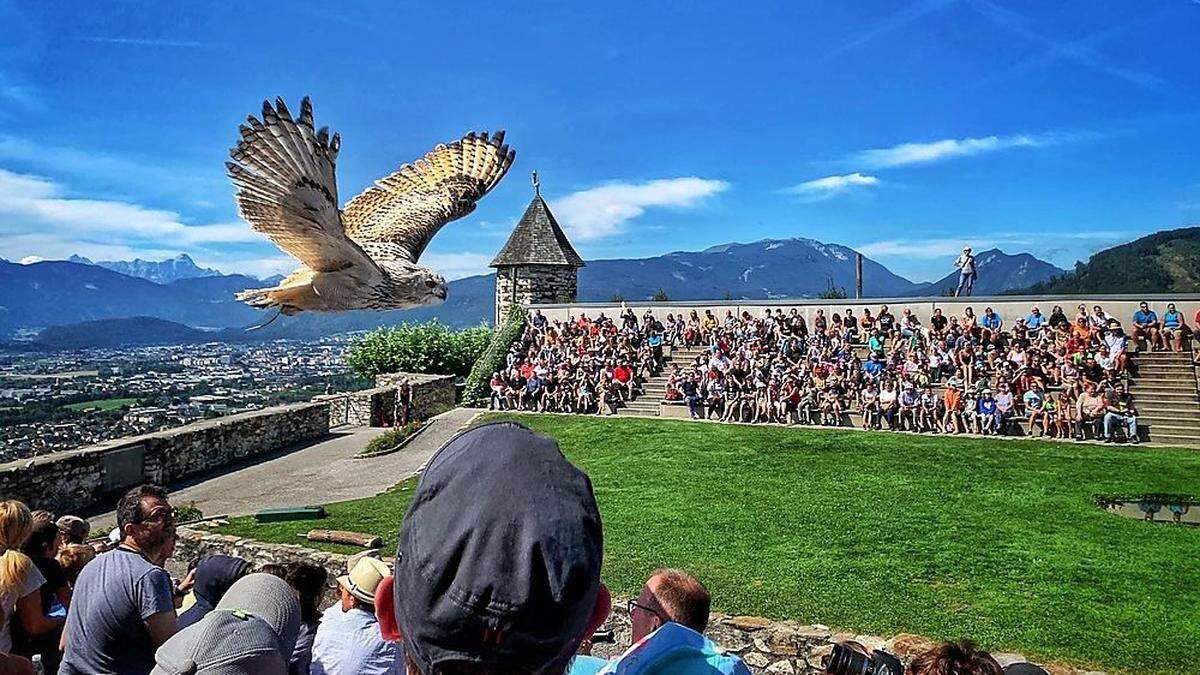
pixel 952 421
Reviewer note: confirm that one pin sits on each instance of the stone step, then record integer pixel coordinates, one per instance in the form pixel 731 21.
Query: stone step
pixel 1154 390
pixel 1184 441
pixel 1162 357
pixel 1171 381
pixel 1168 366
pixel 1167 417
pixel 1167 408
pixel 626 412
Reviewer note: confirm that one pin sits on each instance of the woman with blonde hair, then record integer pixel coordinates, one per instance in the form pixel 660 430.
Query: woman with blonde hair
pixel 18 576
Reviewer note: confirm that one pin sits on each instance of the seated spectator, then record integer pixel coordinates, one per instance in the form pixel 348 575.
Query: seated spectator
pixel 990 323
pixel 348 639
pixel 1174 328
pixel 673 648
pixel 484 544
pixel 73 557
pixel 308 581
pixel 1119 408
pixel 669 595
pixel 252 632
pixel 74 530
pixel 123 607
pixel 1091 409
pixel 955 658
pixel 1146 326
pixel 1034 321
pixel 37 625
pixel 214 575
pixel 1058 319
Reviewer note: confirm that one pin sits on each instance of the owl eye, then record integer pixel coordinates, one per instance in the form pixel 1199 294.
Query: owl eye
pixel 430 284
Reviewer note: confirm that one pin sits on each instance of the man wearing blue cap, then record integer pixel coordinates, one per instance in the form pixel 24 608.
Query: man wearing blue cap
pixel 498 566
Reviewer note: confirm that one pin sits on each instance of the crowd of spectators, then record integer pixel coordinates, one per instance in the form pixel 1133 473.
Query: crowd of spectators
pixel 1062 375
pixel 460 599
pixel 586 365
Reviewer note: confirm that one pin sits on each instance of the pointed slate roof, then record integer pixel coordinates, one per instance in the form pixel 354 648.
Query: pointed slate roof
pixel 537 240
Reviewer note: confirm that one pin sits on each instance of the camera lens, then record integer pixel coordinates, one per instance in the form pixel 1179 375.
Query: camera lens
pixel 846 661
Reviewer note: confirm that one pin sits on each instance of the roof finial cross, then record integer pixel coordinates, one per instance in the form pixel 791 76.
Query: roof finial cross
pixel 537 185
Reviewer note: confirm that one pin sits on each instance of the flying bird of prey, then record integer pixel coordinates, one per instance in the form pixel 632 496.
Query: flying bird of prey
pixel 365 256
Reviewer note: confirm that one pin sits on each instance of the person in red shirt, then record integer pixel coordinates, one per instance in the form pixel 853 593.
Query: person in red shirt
pixel 623 376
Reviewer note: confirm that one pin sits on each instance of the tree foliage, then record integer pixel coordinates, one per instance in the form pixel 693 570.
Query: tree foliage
pixel 660 296
pixel 475 392
pixel 417 348
pixel 832 292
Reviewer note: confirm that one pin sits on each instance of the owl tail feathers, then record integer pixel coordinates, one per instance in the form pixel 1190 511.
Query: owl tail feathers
pixel 285 298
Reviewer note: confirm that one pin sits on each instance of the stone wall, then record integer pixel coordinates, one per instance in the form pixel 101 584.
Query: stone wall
pixel 533 284
pixel 432 394
pixel 1009 307
pixel 775 647
pixel 77 480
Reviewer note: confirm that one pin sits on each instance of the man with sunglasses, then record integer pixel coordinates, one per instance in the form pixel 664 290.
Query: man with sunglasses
pixel 123 606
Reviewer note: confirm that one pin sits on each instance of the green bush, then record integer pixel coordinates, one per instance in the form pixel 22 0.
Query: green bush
pixel 476 390
pixel 390 439
pixel 417 348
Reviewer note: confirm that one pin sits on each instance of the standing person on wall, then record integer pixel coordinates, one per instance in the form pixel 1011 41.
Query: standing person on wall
pixel 966 272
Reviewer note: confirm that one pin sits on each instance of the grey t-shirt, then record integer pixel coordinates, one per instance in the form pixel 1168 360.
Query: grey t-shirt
pixel 106 630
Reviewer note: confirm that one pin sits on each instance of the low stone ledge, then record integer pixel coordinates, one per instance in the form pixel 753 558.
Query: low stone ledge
pixel 774 647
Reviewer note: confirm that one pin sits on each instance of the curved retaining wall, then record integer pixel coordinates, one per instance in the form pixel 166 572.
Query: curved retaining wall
pixel 775 647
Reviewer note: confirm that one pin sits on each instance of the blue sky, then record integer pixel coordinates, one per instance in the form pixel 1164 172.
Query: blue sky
pixel 904 129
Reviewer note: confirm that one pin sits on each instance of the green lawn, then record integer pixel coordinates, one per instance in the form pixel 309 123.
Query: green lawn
pixel 102 404
pixel 882 533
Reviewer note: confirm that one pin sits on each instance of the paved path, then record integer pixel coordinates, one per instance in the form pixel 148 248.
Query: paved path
pixel 317 474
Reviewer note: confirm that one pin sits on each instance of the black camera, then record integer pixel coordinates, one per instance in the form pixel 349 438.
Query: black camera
pixel 846 661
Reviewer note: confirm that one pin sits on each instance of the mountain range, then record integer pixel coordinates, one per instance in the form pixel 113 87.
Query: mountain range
pixel 44 294
pixel 160 272
pixel 1163 262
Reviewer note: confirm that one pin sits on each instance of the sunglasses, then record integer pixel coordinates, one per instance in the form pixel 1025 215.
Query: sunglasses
pixel 634 604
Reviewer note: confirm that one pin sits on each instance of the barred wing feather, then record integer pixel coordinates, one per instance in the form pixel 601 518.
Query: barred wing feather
pixel 284 174
pixel 401 213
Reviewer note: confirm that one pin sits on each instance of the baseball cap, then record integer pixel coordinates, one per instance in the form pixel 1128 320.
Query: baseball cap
pixel 499 556
pixel 251 632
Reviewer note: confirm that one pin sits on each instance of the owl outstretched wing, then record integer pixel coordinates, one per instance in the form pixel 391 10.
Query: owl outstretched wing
pixel 284 174
pixel 398 216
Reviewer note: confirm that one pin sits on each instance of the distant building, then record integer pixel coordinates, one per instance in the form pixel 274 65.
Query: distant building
pixel 538 263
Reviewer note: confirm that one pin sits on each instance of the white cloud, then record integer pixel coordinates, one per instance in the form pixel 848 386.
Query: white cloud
pixel 457 265
pixel 34 204
pixel 30 259
pixel 39 220
pixel 603 211
pixel 821 189
pixel 923 153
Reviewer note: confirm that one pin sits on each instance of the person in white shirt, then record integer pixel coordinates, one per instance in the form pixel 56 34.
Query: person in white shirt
pixel 348 641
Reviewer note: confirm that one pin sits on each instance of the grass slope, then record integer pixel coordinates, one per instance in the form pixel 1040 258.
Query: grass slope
pixel 882 533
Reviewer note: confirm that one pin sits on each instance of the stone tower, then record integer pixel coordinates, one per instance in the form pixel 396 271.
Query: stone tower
pixel 538 263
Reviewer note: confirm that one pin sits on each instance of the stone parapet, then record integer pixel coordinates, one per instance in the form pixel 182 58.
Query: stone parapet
pixel 76 480
pixel 432 394
pixel 775 647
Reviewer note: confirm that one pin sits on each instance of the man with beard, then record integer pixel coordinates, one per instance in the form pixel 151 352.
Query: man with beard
pixel 123 607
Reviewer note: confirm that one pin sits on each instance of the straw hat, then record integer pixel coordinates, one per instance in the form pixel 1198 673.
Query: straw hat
pixel 364 578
